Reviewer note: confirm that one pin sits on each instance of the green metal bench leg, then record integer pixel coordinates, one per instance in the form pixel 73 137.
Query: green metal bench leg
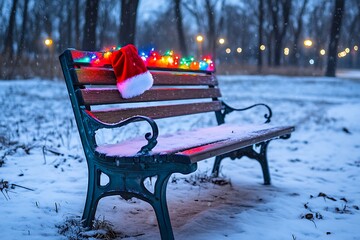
pixel 262 159
pixel 260 156
pixel 216 167
pixel 160 207
pixel 92 198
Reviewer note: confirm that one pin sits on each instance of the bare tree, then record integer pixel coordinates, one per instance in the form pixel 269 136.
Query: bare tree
pixel 195 10
pixel 260 33
pixel 23 30
pixel 63 14
pixel 357 33
pixel 2 17
pixel 69 24
pixel 320 19
pixel 212 24
pixel 237 37
pixel 179 26
pixel 151 35
pixel 107 23
pixel 128 21
pixel 77 24
pixel 334 37
pixel 280 12
pixel 9 38
pixel 36 26
pixel 351 29
pixel 297 26
pixel 268 32
pixel 91 15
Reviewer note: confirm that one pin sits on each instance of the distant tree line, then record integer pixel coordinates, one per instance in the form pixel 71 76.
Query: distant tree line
pixel 258 32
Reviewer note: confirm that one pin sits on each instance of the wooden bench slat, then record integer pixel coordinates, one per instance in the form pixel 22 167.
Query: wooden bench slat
pixel 156 112
pixel 96 76
pixel 214 149
pixel 106 76
pixel 97 96
pixel 167 78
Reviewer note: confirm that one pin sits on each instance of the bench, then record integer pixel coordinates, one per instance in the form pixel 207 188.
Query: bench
pixel 128 163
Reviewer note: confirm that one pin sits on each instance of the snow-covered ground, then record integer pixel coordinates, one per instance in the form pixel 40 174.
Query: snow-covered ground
pixel 315 191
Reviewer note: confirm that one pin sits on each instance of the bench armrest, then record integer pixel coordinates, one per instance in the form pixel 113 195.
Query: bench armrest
pixel 95 124
pixel 228 109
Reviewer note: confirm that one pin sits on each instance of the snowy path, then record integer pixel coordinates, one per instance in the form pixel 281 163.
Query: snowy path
pixel 321 158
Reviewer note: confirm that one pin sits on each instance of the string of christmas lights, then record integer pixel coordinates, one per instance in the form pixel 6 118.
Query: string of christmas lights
pixel 153 59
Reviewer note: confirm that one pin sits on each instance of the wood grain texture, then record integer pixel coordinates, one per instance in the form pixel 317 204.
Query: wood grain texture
pixel 98 96
pixel 106 76
pixel 156 112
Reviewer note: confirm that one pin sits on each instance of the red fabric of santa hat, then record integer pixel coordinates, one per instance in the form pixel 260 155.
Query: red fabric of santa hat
pixel 133 78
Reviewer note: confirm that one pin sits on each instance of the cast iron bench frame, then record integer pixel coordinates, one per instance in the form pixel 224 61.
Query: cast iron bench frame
pixel 127 174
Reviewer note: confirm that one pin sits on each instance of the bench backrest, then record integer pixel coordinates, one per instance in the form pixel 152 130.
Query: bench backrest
pixel 94 89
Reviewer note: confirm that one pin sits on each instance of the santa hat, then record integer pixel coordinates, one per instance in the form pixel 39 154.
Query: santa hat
pixel 132 76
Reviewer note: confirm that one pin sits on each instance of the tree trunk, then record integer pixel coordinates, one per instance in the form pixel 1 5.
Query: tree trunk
pixel 357 58
pixel 295 53
pixel 69 33
pixel 274 8
pixel 91 14
pixel 2 17
pixel 194 10
pixel 260 32
pixel 353 31
pixel 128 21
pixel 180 29
pixel 279 33
pixel 269 48
pixel 62 28
pixel 211 31
pixel 103 24
pixel 213 28
pixel 334 38
pixel 77 25
pixel 23 30
pixel 9 38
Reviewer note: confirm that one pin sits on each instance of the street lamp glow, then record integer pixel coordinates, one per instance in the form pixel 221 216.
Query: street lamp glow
pixel 308 43
pixel 356 48
pixel 199 38
pixel 239 49
pixel 221 41
pixel 286 51
pixel 48 42
pixel 262 47
pixel 347 50
pixel 311 61
pixel 228 50
pixel 322 52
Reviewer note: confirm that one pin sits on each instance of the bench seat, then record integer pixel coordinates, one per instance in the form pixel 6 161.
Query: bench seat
pixel 196 145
